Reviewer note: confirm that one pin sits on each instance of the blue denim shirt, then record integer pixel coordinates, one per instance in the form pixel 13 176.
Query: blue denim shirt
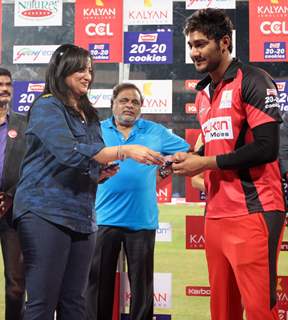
pixel 58 179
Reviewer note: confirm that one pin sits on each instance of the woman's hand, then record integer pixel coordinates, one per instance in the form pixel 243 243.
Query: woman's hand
pixel 142 154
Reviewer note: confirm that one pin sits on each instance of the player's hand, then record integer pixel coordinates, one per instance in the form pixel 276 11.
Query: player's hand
pixel 191 164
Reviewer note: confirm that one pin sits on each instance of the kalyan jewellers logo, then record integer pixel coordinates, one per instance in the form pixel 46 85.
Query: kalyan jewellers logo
pixel 37 9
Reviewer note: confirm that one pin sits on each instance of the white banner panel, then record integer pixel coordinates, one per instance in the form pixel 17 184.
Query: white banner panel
pixel 100 98
pixel 148 12
pixel 164 232
pixel 38 13
pixel 202 4
pixel 157 95
pixel 33 54
pixel 162 290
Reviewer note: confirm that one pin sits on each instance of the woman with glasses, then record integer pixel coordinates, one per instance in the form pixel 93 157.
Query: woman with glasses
pixel 54 201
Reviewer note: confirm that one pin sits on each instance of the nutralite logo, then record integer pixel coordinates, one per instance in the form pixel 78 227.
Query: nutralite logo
pixel 37 9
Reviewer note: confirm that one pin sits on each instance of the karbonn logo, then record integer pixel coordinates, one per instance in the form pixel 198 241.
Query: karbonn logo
pixel 275 27
pixel 98 29
pixel 198 291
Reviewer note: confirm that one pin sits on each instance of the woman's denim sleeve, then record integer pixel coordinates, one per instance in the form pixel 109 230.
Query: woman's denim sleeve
pixel 49 121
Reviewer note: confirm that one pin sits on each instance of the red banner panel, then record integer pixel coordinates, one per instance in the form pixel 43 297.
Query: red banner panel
pixel 195 232
pixel 192 194
pixel 282 297
pixel 99 28
pixel 268 30
pixel 164 190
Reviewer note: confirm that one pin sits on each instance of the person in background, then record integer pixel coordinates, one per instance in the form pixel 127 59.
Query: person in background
pixel 54 202
pixel 12 147
pixel 245 213
pixel 126 209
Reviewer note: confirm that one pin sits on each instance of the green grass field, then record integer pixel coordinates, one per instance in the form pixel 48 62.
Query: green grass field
pixel 188 267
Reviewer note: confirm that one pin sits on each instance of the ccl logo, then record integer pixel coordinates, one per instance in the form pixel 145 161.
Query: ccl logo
pixel 98 29
pixel 275 27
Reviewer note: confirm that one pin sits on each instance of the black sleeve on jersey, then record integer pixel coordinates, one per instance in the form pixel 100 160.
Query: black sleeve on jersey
pixel 262 150
pixel 256 85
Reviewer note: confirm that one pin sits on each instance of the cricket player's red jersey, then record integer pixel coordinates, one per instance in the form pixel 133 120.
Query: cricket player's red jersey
pixel 244 99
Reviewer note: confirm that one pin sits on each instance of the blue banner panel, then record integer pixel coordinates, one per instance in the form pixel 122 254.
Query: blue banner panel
pixel 24 94
pixel 148 47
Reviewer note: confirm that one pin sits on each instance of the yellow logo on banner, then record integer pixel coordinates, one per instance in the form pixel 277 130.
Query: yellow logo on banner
pixel 274 1
pixel 147 89
pixel 99 3
pixel 148 3
pixel 279 285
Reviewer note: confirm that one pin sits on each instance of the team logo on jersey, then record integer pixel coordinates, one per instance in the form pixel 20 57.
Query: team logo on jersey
pixel 226 99
pixel 219 128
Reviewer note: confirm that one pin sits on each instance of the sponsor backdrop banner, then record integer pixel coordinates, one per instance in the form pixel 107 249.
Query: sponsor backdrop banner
pixel 33 54
pixel 38 13
pixel 190 108
pixel 164 190
pixel 162 290
pixel 24 94
pixel 148 47
pixel 148 12
pixel 201 4
pixel 100 98
pixel 283 95
pixel 157 95
pixel 268 30
pixel 195 232
pixel 192 194
pixel 99 28
pixel 282 297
